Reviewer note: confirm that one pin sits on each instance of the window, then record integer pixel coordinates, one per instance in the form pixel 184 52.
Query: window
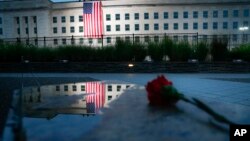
pixel 108 27
pixel 26 20
pixel 127 27
pixel 137 39
pixel 235 37
pixel 72 19
pixel 17 20
pixel 117 27
pixel 175 26
pixel 156 38
pixel 205 14
pixel 165 15
pixel 74 88
pixel 175 38
pixel 26 30
pixel 1 31
pixel 235 25
pixel 136 16
pixel 245 23
pixel 185 26
pixel 146 16
pixel 99 40
pixel 185 14
pixel 127 86
pixel 56 43
pixel 215 25
pixel 117 17
pixel 195 14
pixel 36 41
pixel 80 29
pixel 35 30
pixel 146 39
pixel 118 88
pixel 146 26
pixel 195 26
pixel 108 40
pixel 1 20
pixel 137 27
pixel 57 88
pixel 156 15
pixel 127 38
pixel 63 19
pixel 126 16
pixel 81 41
pixel 108 17
pixel 80 18
pixel 64 41
pixel 204 37
pixel 156 26
pixel 90 40
pixel 34 19
pixel 72 29
pixel 165 26
pixel 82 87
pixel 225 25
pixel 63 29
pixel 54 19
pixel 215 14
pixel 246 12
pixel 109 88
pixel 109 97
pixel 235 13
pixel 18 31
pixel 175 15
pixel 185 37
pixel 205 25
pixel 54 30
pixel 225 13
pixel 66 88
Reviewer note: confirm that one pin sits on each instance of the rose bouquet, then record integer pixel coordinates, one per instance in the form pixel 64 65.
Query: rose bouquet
pixel 160 92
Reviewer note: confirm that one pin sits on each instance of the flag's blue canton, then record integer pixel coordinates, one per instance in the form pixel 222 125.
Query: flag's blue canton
pixel 87 8
pixel 90 108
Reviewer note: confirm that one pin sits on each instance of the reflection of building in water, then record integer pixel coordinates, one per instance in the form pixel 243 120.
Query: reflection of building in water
pixel 71 98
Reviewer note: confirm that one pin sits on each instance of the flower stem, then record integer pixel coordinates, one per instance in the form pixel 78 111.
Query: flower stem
pixel 207 109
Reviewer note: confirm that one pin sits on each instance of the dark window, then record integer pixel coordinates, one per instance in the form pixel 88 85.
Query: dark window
pixel 63 19
pixel 156 26
pixel 109 88
pixel 165 15
pixel 108 40
pixel 66 88
pixel 63 29
pixel 80 18
pixel 205 14
pixel 156 38
pixel 185 26
pixel 1 31
pixel 17 20
pixel 127 16
pixel 235 25
pixel 80 29
pixel 146 16
pixel 26 30
pixel 215 14
pixel 235 13
pixel 137 27
pixel 64 41
pixel 146 26
pixel 185 14
pixel 225 13
pixel 56 43
pixel 127 27
pixel 165 26
pixel 108 17
pixel 108 27
pixel 117 16
pixel 57 88
pixel 109 97
pixel 34 19
pixel 195 14
pixel 72 29
pixel 54 30
pixel 26 20
pixel 118 88
pixel 156 15
pixel 225 25
pixel 205 25
pixel 74 88
pixel 72 19
pixel 18 30
pixel 54 19
pixel 215 25
pixel 117 27
pixel 175 26
pixel 35 30
pixel 175 15
pixel 246 13
pixel 195 26
pixel 82 86
pixel 1 21
pixel 137 16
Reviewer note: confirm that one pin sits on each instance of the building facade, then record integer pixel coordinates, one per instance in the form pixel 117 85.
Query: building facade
pixel 46 23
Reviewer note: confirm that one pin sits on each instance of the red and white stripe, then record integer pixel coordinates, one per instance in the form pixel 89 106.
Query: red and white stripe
pixel 93 23
pixel 98 93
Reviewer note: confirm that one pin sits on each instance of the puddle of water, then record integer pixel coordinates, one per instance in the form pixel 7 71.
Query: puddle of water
pixel 61 111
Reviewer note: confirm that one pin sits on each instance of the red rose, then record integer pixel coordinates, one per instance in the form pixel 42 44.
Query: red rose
pixel 160 92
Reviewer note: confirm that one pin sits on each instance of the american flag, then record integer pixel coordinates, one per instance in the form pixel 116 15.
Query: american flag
pixel 93 20
pixel 97 93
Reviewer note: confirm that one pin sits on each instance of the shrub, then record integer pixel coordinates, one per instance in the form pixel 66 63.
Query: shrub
pixel 201 51
pixel 219 49
pixel 242 52
pixel 181 51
